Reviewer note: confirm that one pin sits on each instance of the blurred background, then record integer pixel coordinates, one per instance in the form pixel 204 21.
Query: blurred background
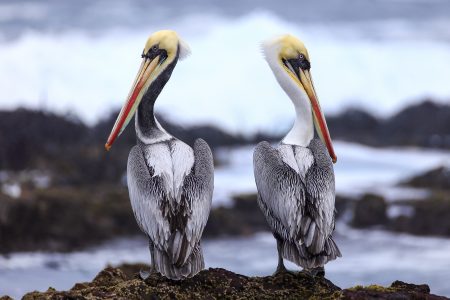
pixel 381 70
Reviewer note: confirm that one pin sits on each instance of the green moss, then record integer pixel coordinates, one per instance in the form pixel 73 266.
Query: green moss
pixel 379 288
pixel 356 288
pixel 373 287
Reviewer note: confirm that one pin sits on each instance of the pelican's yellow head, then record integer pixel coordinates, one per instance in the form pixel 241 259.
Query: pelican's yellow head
pixel 162 49
pixel 291 47
pixel 287 55
pixel 168 41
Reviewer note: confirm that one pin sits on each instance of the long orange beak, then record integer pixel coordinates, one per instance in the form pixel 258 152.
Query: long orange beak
pixel 319 119
pixel 140 85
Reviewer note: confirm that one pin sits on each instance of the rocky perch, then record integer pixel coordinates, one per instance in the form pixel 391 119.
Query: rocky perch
pixel 122 283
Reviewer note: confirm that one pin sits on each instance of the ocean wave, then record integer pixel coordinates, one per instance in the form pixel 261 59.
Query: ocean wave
pixel 226 82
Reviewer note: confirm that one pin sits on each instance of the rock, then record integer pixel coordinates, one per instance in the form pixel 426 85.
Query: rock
pixel 113 283
pixel 422 288
pixel 69 219
pixel 370 211
pixel 425 217
pixel 242 218
pixel 436 179
pixel 343 205
pixel 425 124
pixel 65 218
pixel 35 139
pixel 355 125
pixel 397 290
pixel 430 217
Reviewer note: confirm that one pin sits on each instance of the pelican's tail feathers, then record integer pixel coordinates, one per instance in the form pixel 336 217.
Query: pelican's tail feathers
pixel 298 253
pixel 164 264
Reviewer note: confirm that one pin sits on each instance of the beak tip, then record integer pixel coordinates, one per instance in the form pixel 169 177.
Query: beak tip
pixel 334 159
pixel 107 146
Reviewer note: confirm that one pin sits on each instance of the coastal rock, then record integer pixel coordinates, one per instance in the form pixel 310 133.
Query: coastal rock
pixel 242 218
pixel 216 283
pixel 425 124
pixel 430 217
pixel 436 179
pixel 68 218
pixel 65 218
pixel 344 205
pixel 370 210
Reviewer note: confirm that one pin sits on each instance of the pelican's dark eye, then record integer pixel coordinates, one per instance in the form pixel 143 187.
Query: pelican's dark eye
pixel 301 56
pixel 154 48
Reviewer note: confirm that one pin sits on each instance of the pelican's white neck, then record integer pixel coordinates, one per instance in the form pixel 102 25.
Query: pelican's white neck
pixel 302 132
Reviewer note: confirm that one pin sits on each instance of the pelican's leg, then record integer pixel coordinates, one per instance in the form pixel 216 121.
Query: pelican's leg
pixel 145 274
pixel 280 268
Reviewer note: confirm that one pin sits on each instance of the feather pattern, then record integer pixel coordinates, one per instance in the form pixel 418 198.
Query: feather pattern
pixel 171 186
pixel 296 194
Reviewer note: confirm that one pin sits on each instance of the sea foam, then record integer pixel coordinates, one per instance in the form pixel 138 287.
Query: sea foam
pixel 380 66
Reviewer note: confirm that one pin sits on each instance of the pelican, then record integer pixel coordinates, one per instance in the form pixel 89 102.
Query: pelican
pixel 169 183
pixel 295 180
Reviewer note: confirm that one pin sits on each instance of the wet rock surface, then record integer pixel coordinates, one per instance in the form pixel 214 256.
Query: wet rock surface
pixel 438 179
pixel 430 216
pixel 370 210
pixel 243 218
pixel 68 219
pixel 426 124
pixel 123 283
pixel 64 218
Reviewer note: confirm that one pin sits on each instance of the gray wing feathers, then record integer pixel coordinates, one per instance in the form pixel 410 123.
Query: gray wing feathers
pixel 146 194
pixel 299 211
pixel 280 189
pixel 176 244
pixel 320 189
pixel 197 191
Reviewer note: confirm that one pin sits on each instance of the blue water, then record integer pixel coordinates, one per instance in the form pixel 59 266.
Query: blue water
pixel 369 257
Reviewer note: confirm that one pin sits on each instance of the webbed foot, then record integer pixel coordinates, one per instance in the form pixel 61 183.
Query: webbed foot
pixel 144 274
pixel 281 270
pixel 316 272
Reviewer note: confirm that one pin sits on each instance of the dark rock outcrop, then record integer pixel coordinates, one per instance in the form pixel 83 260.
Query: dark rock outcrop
pixel 343 126
pixel 430 217
pixel 74 152
pixel 69 219
pixel 343 205
pixel 242 218
pixel 113 283
pixel 436 179
pixel 65 219
pixel 426 124
pixel 370 210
